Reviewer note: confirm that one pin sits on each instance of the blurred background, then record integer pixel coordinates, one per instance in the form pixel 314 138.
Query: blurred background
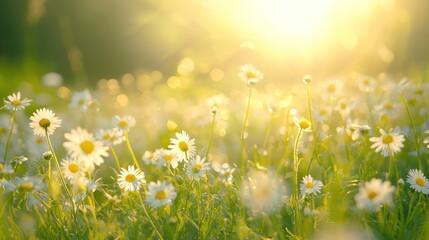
pixel 83 41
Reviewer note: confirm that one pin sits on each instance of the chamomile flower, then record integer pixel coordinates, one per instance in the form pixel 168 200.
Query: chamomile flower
pixel 262 192
pixel 225 171
pixel 197 167
pixel 357 131
pixel 149 157
pixel 6 168
pixel 15 102
pixel 72 168
pixel 166 158
pixel 310 185
pixel 110 137
pixel 373 194
pixel 366 83
pixel 250 75
pixel 82 146
pixel 183 146
pixel 160 194
pixel 81 100
pixel 388 144
pixel 130 179
pixel 418 181
pixel 124 123
pixel 44 120
pixel 302 123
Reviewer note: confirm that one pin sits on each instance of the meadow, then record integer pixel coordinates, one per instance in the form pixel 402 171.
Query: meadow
pixel 150 157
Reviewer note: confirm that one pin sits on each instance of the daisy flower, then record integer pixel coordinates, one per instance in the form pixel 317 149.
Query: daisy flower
pixel 44 120
pixel 197 167
pixel 388 143
pixel 81 100
pixel 183 146
pixel 250 75
pixel 225 171
pixel 160 193
pixel 131 179
pixel 262 192
pixel 357 131
pixel 72 168
pixel 302 123
pixel 366 83
pixel 166 157
pixel 82 146
pixel 149 157
pixel 15 102
pixel 373 194
pixel 310 185
pixel 6 168
pixel 110 137
pixel 418 181
pixel 124 123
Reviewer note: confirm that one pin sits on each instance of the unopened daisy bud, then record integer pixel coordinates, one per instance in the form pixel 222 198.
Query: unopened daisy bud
pixel 214 110
pixel 307 79
pixel 401 182
pixel 47 155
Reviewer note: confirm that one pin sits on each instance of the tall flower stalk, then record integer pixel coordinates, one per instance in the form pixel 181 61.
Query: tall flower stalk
pixel 251 76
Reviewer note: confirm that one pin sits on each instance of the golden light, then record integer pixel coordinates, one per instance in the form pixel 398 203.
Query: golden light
pixel 288 18
pixel 292 22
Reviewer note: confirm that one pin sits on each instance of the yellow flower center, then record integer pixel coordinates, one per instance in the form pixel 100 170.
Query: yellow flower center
pixel 226 174
pixel 331 88
pixel 107 136
pixel 323 112
pixel 130 178
pixel 343 106
pixel 183 146
pixel 1 166
pixel 73 167
pixel 309 185
pixel 387 139
pixel 250 74
pixel 16 102
pixel 123 124
pixel 196 168
pixel 44 123
pixel 372 195
pixel 80 102
pixel 87 147
pixel 388 106
pixel 420 182
pixel 160 195
pixel 366 81
pixel 168 158
pixel 28 186
pixel 304 124
pixel 39 140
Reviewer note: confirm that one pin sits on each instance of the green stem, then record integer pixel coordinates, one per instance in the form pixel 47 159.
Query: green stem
pixel 413 125
pixel 243 131
pixel 211 135
pixel 310 116
pixel 61 175
pixel 116 158
pixel 12 120
pixel 296 162
pixel 267 135
pixel 127 140
pixel 149 218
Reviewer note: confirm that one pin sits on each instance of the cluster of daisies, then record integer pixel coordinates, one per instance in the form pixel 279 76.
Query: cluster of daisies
pixel 86 151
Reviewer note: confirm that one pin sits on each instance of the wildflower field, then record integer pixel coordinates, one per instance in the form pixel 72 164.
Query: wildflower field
pixel 256 164
pixel 214 119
